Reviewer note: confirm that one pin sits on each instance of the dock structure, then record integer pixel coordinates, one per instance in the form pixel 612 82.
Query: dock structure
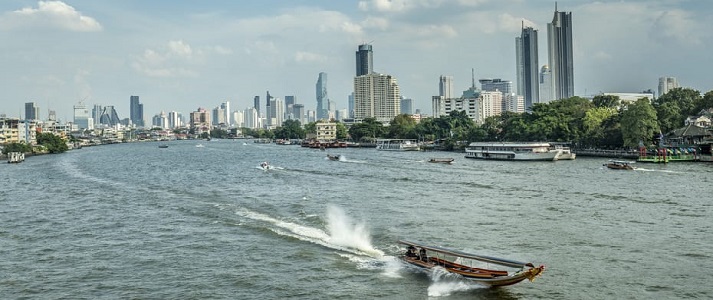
pixel 15 157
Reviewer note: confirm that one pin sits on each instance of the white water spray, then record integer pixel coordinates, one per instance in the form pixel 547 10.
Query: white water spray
pixel 343 232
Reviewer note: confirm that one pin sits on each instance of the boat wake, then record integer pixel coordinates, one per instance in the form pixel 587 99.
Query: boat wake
pixel 445 283
pixel 342 234
pixel 652 170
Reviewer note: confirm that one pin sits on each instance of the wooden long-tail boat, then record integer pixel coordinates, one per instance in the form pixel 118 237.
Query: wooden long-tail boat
pixel 446 259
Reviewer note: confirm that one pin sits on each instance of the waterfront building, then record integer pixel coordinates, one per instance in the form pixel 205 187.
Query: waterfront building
pixel 491 104
pixel 200 121
pixel 27 131
pixel 136 113
pixel 444 106
pixel 406 106
pixel 326 131
pixel 81 117
pixel 218 116
pixel 546 89
pixel 32 111
pixel 666 84
pixel 561 63
pixel 527 66
pixel 377 96
pixel 364 60
pixel 322 97
pixel 9 130
pixel 445 86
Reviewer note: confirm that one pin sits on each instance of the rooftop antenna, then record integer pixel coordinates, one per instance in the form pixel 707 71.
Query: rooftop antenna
pixel 472 77
pixel 555 6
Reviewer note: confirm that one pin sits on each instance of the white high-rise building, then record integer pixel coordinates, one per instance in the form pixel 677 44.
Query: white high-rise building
pixel 226 110
pixel 239 119
pixel 491 104
pixel 160 120
pixel 445 86
pixel 666 84
pixel 378 96
pixel 81 117
pixel 174 120
pixel 252 119
pixel 444 106
pixel 514 103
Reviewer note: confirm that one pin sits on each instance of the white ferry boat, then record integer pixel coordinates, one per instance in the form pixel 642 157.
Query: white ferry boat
pixel 511 151
pixel 397 145
pixel 564 153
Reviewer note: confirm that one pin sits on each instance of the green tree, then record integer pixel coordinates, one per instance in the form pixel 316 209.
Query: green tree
pixel 593 122
pixel 290 129
pixel 218 133
pixel 402 126
pixel 606 101
pixel 342 132
pixel 16 147
pixel 638 123
pixel 53 143
pixel 706 102
pixel 311 127
pixel 369 128
pixel 675 106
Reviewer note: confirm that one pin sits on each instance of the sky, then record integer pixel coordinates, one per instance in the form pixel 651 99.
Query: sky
pixel 182 55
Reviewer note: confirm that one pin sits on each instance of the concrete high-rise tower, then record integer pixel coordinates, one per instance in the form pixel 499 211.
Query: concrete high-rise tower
pixel 322 97
pixel 32 112
pixel 666 84
pixel 559 42
pixel 528 84
pixel 377 96
pixel 364 60
pixel 445 87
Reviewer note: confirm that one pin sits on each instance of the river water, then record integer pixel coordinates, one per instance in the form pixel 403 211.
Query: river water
pixel 133 221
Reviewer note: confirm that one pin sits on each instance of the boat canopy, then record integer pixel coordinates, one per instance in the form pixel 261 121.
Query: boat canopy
pixel 483 258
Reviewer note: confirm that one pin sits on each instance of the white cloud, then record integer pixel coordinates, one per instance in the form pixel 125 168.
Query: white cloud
pixel 179 48
pixel 375 22
pixel 173 61
pixel 307 57
pixel 677 25
pixel 401 5
pixel 49 14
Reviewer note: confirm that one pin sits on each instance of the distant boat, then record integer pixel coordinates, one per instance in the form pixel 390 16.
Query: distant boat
pixel 619 165
pixel 15 157
pixel 163 146
pixel 511 151
pixel 334 157
pixel 199 146
pixel 463 264
pixel 441 160
pixel 397 145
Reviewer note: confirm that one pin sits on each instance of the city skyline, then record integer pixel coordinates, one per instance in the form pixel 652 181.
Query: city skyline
pixel 181 56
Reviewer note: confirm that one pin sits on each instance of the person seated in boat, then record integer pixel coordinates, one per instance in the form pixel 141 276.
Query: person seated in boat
pixel 264 164
pixel 411 251
pixel 422 254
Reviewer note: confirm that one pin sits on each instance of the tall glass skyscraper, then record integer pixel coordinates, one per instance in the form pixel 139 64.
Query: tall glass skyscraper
pixel 322 97
pixel 136 111
pixel 528 83
pixel 32 112
pixel 559 39
pixel 364 60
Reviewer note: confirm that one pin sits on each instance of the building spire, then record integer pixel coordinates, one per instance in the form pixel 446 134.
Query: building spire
pixel 472 77
pixel 555 6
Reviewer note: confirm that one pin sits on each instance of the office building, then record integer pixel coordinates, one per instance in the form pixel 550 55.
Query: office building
pixel 298 111
pixel 561 62
pixel 174 120
pixel 406 106
pixel 445 86
pixel 364 60
pixel 322 97
pixel 514 103
pixel 160 120
pixel 666 84
pixel 109 117
pixel 528 83
pixel 136 113
pixel 289 107
pixel 546 88
pixel 32 112
pixel 256 104
pixel 252 119
pixel 377 96
pixel 350 105
pixel 97 113
pixel 200 121
pixel 81 117
pixel 497 84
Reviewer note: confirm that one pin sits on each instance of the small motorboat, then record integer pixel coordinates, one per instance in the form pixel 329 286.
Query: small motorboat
pixel 333 157
pixel 265 166
pixel 199 146
pixel 163 146
pixel 619 165
pixel 442 160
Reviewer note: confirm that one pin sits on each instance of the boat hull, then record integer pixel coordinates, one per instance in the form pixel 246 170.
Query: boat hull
pixel 512 151
pixel 492 278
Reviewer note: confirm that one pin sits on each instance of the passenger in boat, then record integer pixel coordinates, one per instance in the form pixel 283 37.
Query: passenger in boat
pixel 422 254
pixel 411 251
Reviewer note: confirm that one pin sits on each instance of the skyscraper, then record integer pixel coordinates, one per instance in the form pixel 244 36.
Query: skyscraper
pixel 298 110
pixel 136 111
pixel 81 117
pixel 377 96
pixel 289 106
pixel 364 60
pixel 32 112
pixel 109 116
pixel 559 40
pixel 256 105
pixel 445 86
pixel 546 94
pixel 268 116
pixel 322 97
pixel 528 83
pixel 97 113
pixel 497 84
pixel 666 84
pixel 406 106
